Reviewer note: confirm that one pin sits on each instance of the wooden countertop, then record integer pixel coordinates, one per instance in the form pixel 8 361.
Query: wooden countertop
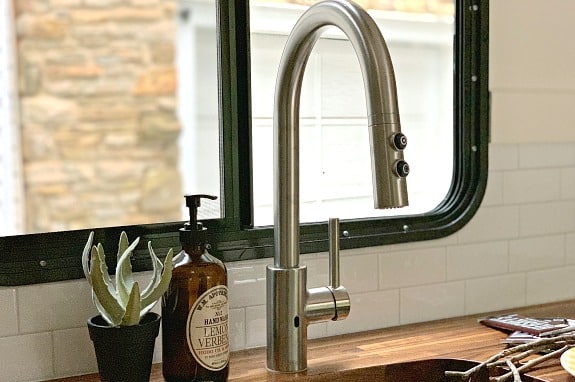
pixel 460 337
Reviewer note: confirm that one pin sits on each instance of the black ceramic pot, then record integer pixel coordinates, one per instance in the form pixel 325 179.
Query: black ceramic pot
pixel 124 353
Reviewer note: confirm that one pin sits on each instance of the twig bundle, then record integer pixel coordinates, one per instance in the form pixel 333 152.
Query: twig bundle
pixel 511 357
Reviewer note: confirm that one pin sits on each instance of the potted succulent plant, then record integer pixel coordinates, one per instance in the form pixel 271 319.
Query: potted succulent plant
pixel 125 331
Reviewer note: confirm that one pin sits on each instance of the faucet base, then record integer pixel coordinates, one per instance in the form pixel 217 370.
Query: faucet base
pixel 286 321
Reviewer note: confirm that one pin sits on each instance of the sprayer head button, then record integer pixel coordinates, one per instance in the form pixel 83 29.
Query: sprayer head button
pixel 401 168
pixel 399 141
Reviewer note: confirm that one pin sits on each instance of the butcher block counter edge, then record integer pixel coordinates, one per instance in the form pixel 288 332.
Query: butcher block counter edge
pixel 461 337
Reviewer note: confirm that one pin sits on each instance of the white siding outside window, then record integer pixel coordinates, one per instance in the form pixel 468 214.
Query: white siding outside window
pixel 335 175
pixel 197 65
pixel 11 187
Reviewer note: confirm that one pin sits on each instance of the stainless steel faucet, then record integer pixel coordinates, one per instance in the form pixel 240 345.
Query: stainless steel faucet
pixel 290 305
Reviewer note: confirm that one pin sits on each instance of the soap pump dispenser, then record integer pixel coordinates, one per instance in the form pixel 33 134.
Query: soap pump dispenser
pixel 195 309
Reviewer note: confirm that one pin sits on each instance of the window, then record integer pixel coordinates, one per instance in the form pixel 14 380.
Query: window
pixel 335 175
pixel 55 256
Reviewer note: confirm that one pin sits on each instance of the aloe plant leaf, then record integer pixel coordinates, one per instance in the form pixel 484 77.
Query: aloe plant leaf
pixel 163 285
pixel 101 310
pixel 86 257
pixel 102 288
pixel 123 244
pixel 156 277
pixel 157 270
pixel 105 274
pixel 101 258
pixel 132 315
pixel 124 278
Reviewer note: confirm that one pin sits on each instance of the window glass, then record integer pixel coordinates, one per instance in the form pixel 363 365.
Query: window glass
pixel 197 94
pixel 335 177
pixel 118 114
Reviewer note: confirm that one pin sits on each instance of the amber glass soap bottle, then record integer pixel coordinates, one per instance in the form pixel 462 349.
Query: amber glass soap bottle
pixel 195 310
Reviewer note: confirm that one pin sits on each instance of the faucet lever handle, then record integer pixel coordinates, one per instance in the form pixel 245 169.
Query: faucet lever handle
pixel 340 295
pixel 333 227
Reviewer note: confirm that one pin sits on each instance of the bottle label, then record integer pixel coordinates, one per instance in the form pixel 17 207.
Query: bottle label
pixel 207 329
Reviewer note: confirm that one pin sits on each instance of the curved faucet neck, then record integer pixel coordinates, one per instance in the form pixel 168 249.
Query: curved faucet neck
pixel 383 115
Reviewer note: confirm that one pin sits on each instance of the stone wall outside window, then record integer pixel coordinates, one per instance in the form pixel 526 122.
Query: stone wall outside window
pixel 97 88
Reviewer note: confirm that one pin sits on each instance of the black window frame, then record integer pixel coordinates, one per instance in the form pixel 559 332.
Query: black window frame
pixel 55 256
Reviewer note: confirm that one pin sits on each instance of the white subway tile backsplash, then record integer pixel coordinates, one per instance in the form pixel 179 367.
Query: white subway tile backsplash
pixel 482 226
pixel 73 352
pixel 547 218
pixel 431 302
pixel 547 155
pixel 255 326
pixel 550 285
pixel 237 329
pixel 568 183
pixel 416 267
pixel 570 248
pixel 536 253
pixel 247 283
pixel 363 316
pixel 477 260
pixel 317 270
pixel 524 186
pixel 359 273
pixel 53 306
pixel 8 312
pixel 503 157
pixel 26 358
pixel 494 191
pixel 494 293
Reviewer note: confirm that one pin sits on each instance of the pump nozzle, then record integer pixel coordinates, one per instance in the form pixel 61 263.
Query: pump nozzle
pixel 193 202
pixel 193 232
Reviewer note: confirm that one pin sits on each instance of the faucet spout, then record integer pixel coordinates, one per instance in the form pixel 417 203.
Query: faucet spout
pixel 383 115
pixel 288 296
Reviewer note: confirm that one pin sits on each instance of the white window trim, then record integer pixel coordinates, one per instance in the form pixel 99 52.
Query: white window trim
pixel 12 188
pixel 398 26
